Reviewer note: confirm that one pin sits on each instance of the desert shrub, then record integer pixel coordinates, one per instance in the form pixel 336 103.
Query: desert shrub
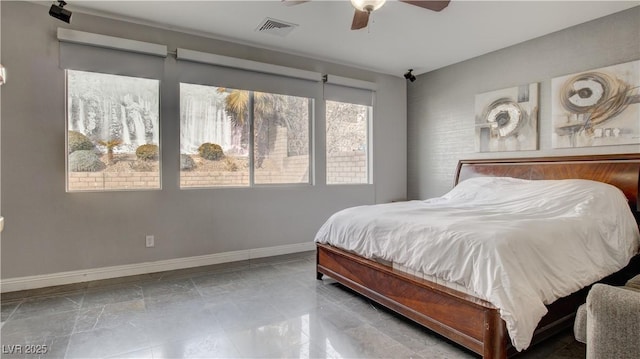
pixel 186 163
pixel 148 152
pixel 110 145
pixel 79 142
pixel 210 151
pixel 85 161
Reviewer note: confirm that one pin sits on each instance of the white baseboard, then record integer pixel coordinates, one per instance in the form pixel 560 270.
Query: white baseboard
pixel 61 278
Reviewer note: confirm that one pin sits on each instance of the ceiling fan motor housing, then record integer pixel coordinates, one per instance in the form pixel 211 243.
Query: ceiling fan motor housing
pixel 367 5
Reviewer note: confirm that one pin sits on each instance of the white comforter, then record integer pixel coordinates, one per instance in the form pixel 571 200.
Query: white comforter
pixel 515 243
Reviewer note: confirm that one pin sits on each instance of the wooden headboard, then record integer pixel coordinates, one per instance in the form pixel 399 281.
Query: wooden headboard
pixel 622 171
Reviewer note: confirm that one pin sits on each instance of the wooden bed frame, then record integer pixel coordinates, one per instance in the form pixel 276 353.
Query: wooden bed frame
pixel 465 319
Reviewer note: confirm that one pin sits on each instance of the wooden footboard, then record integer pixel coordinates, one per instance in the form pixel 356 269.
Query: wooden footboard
pixel 469 321
pixel 465 319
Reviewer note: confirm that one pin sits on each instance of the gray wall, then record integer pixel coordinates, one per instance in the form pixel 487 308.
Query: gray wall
pixel 48 230
pixel 440 103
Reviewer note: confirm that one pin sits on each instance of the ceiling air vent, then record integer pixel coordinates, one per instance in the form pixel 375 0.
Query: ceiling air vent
pixel 275 27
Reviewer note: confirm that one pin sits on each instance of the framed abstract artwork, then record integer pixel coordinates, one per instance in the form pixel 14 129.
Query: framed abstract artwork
pixel 597 108
pixel 507 120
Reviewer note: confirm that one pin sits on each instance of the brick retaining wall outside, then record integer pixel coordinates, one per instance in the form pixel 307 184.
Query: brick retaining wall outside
pixel 347 167
pixel 98 181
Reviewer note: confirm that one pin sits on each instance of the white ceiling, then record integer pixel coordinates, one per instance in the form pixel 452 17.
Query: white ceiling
pixel 400 36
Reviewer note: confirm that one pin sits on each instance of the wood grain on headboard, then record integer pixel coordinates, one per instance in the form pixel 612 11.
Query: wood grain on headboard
pixel 620 170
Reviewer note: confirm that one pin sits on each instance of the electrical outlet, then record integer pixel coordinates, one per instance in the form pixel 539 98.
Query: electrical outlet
pixel 150 241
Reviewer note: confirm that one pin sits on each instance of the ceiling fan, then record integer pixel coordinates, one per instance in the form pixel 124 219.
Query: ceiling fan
pixel 365 7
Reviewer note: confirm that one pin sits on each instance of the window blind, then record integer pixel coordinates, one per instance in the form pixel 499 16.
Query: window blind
pixel 347 90
pixel 203 69
pixel 106 54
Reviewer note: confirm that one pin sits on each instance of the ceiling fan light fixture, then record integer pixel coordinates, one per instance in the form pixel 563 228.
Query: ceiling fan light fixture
pixel 367 5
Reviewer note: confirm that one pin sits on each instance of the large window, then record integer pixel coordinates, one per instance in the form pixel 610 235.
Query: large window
pixel 347 142
pixel 231 137
pixel 113 132
pixel 242 123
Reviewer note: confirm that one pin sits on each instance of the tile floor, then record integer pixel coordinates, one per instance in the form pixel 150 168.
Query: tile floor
pixel 267 308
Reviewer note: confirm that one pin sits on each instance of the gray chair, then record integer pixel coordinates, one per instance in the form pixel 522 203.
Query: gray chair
pixel 609 323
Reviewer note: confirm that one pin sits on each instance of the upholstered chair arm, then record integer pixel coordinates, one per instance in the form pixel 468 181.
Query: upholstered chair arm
pixel 580 324
pixel 613 322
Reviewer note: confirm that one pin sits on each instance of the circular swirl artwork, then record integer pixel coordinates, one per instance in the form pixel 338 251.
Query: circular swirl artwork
pixel 504 117
pixel 596 95
pixel 584 91
pixel 597 107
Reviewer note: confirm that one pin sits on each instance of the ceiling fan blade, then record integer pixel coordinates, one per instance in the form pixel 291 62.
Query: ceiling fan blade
pixel 360 20
pixel 435 5
pixel 294 2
